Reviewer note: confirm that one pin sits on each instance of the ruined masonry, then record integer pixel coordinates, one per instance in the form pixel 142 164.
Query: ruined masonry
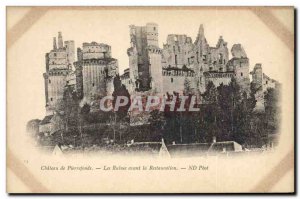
pixel 181 65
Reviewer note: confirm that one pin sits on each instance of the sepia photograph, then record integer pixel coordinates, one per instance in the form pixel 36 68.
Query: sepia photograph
pixel 150 99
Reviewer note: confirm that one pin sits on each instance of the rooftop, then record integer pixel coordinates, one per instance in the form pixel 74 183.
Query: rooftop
pixel 46 119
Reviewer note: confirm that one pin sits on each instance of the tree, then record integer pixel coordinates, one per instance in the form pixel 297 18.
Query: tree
pixel 187 87
pixel 272 109
pixel 210 94
pixel 272 113
pixel 157 123
pixel 120 90
pixel 210 112
pixel 70 107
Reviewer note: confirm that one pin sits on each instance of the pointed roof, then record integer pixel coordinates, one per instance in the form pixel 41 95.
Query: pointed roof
pixel 46 119
pixel 163 152
pixel 201 30
pixel 200 36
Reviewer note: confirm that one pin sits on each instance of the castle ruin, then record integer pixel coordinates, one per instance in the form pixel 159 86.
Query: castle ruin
pixel 180 62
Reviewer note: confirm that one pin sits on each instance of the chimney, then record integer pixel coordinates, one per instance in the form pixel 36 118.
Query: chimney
pixel 214 139
pixel 60 40
pixel 54 43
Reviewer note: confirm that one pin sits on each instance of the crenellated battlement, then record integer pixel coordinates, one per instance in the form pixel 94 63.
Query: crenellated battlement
pixel 154 49
pixel 214 74
pixel 173 71
pixel 98 62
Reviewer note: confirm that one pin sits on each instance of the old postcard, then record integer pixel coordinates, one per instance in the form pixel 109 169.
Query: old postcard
pixel 150 99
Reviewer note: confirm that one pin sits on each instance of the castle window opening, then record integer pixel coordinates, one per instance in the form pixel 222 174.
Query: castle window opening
pixel 93 84
pixel 49 81
pixel 171 80
pixel 51 99
pixel 220 58
pixel 241 74
pixel 176 60
pixel 154 28
pixel 266 82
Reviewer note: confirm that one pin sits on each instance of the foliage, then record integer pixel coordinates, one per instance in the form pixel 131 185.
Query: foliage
pixel 120 90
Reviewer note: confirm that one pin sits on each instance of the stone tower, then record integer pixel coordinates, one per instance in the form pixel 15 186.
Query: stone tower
pixel 257 81
pixel 152 34
pixel 94 68
pixel 239 64
pixel 261 83
pixel 59 62
pixel 155 70
pixel 143 41
pixel 201 50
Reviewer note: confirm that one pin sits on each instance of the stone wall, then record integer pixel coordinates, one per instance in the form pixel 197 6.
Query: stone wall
pixel 241 72
pixel 59 63
pixel 95 70
pixel 218 78
pixel 70 50
pixel 141 38
pixel 58 59
pixel 174 79
pixel 127 81
pixel 155 68
pixel 96 50
pixel 94 84
pixel 261 83
pixel 267 82
pixel 56 85
pixel 178 51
